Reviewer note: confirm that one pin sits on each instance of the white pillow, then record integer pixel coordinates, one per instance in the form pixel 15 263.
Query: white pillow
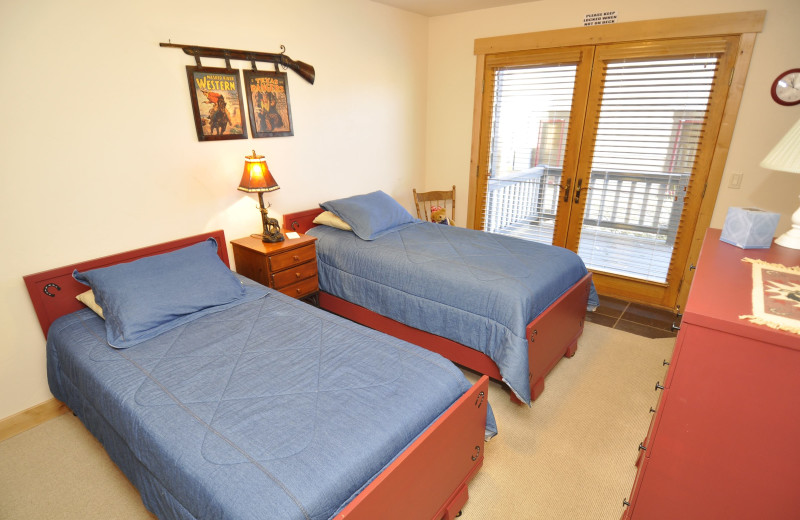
pixel 328 218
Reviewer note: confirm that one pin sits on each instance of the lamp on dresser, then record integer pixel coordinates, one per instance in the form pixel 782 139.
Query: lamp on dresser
pixel 258 179
pixel 786 157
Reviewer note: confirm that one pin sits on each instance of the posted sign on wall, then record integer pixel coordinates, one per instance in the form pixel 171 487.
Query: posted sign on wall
pixel 600 18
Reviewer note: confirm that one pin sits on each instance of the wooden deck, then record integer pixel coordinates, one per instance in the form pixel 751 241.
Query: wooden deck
pixel 638 255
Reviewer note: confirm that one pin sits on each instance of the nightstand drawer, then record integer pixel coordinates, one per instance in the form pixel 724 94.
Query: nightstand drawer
pixel 303 288
pixel 293 257
pixel 294 275
pixel 289 266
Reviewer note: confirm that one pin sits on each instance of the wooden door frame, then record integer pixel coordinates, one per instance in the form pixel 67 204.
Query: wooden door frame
pixel 745 25
pixel 663 294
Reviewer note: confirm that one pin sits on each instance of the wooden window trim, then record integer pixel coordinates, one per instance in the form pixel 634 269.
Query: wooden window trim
pixel 745 25
pixel 665 28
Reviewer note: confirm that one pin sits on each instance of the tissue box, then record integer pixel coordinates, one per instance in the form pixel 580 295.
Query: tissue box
pixel 749 228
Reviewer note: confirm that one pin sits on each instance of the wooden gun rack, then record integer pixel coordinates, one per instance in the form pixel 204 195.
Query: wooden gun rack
pixel 304 70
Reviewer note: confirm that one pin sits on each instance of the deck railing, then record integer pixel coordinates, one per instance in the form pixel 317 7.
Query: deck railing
pixel 641 202
pixel 522 198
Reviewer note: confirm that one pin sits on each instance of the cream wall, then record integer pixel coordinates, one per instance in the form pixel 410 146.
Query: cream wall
pixel 100 153
pixel 761 122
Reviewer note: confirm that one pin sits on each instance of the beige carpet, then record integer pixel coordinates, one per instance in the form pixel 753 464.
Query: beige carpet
pixel 569 457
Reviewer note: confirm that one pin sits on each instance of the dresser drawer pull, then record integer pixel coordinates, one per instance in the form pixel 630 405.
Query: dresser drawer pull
pixel 625 502
pixel 642 447
pixel 658 386
pixel 298 291
pixel 665 363
pixel 533 335
pixel 297 275
pixel 296 258
pixel 652 410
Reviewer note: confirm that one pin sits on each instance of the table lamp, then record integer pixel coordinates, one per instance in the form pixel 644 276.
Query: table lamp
pixel 786 157
pixel 257 179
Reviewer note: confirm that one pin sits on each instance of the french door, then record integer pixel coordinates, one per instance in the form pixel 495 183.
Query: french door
pixel 605 150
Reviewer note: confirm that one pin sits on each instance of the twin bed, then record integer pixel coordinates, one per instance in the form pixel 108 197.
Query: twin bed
pixel 501 306
pixel 221 398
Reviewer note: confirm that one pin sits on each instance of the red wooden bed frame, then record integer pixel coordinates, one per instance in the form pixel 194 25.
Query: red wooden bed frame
pixel 551 335
pixel 427 481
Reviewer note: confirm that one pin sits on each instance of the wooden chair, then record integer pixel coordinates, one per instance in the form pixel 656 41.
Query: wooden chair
pixel 445 199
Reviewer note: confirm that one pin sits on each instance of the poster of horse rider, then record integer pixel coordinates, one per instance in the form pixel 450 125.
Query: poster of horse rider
pixel 268 103
pixel 217 103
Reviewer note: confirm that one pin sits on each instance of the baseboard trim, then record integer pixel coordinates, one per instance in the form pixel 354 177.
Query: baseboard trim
pixel 33 416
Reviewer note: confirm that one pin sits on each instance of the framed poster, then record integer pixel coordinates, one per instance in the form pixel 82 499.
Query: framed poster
pixel 217 103
pixel 268 103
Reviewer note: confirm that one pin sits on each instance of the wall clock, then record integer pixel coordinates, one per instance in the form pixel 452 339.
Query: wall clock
pixel 786 88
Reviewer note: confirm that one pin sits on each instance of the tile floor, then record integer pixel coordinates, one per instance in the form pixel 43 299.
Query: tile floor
pixel 634 318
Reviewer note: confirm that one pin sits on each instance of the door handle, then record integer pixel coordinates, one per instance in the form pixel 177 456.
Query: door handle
pixel 567 188
pixel 578 188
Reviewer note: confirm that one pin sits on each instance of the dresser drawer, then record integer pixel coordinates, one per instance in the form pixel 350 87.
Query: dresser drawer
pixel 293 275
pixel 302 288
pixel 292 258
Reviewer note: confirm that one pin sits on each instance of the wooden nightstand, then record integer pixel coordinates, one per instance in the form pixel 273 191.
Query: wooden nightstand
pixel 289 266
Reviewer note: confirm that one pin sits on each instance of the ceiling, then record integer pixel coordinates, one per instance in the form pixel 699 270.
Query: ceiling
pixel 440 7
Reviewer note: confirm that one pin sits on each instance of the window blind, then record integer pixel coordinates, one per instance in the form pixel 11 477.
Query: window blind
pixel 649 128
pixel 529 128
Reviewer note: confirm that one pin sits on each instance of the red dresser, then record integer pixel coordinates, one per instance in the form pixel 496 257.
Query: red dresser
pixel 724 442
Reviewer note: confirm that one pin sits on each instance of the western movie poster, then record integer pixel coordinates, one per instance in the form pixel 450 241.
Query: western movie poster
pixel 268 103
pixel 217 103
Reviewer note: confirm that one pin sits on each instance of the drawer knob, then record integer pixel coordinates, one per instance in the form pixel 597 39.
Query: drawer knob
pixel 658 385
pixel 295 257
pixel 298 291
pixel 297 275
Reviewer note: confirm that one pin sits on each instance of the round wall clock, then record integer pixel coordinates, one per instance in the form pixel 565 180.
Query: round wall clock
pixel 786 88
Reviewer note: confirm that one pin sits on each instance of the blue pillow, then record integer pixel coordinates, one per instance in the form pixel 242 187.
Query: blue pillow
pixel 371 215
pixel 143 298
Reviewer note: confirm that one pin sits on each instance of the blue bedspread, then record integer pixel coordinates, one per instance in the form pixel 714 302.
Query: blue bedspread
pixel 270 409
pixel 478 289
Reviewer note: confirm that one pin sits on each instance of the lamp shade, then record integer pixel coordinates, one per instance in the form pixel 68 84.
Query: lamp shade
pixel 785 156
pixel 256 176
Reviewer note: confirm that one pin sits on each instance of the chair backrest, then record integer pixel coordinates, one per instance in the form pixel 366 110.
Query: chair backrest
pixel 425 200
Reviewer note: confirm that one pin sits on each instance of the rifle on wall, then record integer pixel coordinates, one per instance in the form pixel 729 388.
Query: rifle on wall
pixel 305 70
